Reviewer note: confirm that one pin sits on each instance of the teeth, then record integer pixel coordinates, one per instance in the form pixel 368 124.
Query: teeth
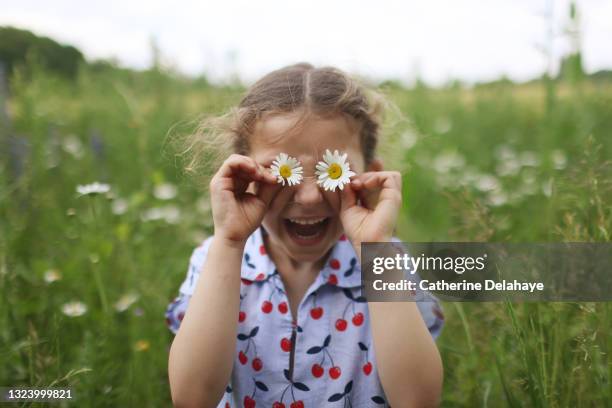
pixel 307 222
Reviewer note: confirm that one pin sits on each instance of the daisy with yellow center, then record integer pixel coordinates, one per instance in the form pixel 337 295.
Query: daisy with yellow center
pixel 286 169
pixel 333 171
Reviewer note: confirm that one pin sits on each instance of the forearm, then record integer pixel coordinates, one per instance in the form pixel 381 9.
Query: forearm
pixel 201 355
pixel 408 361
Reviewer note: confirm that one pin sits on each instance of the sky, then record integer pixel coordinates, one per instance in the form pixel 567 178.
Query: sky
pixel 434 40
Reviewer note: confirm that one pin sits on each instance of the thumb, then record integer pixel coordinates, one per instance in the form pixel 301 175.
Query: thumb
pixel 348 198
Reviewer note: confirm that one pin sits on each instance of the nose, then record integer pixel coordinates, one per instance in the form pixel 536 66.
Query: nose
pixel 308 192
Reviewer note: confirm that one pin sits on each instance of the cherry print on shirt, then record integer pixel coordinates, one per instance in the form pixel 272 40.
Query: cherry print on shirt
pixel 282 307
pixel 358 317
pixel 437 312
pixel 249 401
pixel 332 279
pixel 228 390
pixel 343 237
pixel 367 367
pixel 267 306
pixel 317 369
pixel 345 394
pixel 243 356
pixel 241 313
pixel 285 344
pixel 350 270
pixel 295 403
pixel 317 311
pixel 262 249
pixel 247 260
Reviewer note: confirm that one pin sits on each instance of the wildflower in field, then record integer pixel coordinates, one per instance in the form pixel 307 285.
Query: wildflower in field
pixel 93 189
pixel 119 206
pixel 486 182
pixel 52 275
pixel 333 171
pixel 74 309
pixel 442 125
pixel 448 161
pixel 141 345
pixel 559 159
pixel 165 191
pixel 138 312
pixel 286 169
pixel 72 144
pixel 497 197
pixel 170 213
pixel 408 139
pixel 126 301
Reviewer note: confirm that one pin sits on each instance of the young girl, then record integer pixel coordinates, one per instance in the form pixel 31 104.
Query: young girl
pixel 275 316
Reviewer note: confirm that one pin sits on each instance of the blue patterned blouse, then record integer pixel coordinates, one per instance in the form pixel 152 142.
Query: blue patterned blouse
pixel 321 358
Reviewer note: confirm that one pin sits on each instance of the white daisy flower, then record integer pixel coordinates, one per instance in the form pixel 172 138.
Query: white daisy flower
pixel 165 191
pixel 126 301
pixel 74 309
pixel 334 171
pixel 286 169
pixel 52 275
pixel 119 206
pixel 93 189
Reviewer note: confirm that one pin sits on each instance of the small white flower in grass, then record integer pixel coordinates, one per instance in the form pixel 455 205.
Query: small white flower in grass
pixel 119 206
pixel 165 191
pixel 126 301
pixel 93 189
pixel 170 213
pixel 286 169
pixel 52 275
pixel 334 171
pixel 74 309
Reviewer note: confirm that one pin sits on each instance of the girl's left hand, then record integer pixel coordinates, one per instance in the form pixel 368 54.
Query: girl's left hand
pixel 373 217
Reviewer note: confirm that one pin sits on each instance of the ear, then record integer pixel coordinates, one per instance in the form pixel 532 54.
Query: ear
pixel 375 165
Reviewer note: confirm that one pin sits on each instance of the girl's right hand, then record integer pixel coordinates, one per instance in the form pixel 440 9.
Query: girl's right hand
pixel 236 212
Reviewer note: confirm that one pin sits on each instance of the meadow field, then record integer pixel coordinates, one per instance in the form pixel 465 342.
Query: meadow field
pixel 85 278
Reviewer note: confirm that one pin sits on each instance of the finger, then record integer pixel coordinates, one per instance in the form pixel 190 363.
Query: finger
pixel 358 180
pixel 373 181
pixel 241 166
pixel 266 192
pixel 268 177
pixel 348 198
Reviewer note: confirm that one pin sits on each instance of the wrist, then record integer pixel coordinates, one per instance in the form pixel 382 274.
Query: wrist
pixel 229 243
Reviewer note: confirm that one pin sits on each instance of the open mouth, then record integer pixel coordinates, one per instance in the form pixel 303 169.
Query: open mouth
pixel 307 231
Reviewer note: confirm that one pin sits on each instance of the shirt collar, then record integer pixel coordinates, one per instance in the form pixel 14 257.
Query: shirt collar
pixel 341 267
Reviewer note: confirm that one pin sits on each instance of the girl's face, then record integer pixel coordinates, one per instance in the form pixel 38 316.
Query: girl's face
pixel 303 220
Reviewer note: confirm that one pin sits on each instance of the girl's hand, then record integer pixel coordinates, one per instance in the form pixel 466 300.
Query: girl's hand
pixel 373 218
pixel 236 212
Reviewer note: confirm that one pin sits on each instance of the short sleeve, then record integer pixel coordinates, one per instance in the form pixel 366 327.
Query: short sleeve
pixel 177 308
pixel 428 304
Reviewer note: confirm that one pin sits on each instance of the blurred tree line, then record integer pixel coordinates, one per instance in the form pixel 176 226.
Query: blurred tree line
pixel 19 47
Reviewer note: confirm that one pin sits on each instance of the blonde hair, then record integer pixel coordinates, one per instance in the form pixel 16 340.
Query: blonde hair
pixel 324 91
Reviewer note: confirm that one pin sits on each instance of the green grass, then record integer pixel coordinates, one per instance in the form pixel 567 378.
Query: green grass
pixel 486 164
